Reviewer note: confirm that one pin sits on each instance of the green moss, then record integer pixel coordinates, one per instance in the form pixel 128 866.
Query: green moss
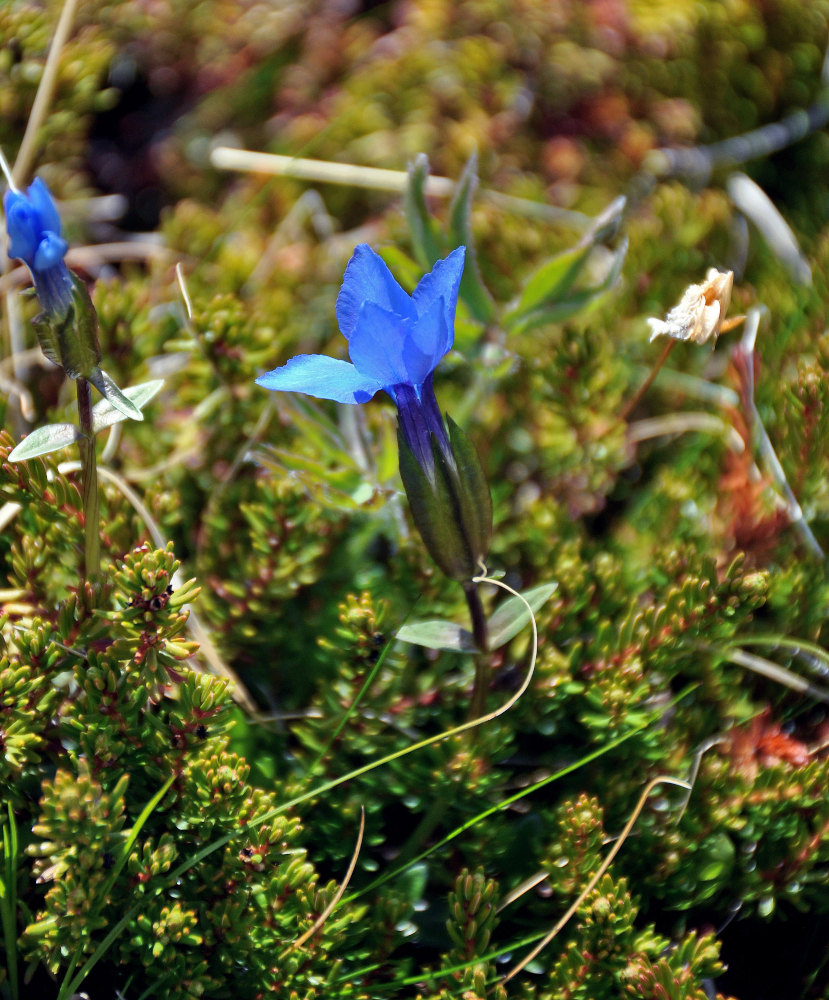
pixel 293 561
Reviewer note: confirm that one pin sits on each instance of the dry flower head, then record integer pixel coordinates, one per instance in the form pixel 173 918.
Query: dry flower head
pixel 700 313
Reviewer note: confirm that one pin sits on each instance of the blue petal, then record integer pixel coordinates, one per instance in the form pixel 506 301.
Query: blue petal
pixel 22 225
pixel 41 200
pixel 442 282
pixel 382 348
pixel 430 338
pixel 323 377
pixel 367 279
pixel 50 251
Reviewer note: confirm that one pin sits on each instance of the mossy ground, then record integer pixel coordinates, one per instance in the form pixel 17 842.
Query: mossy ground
pixel 675 554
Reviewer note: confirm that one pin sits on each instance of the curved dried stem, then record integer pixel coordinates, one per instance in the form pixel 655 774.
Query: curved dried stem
pixel 681 423
pixel 522 889
pixel 640 805
pixel 338 895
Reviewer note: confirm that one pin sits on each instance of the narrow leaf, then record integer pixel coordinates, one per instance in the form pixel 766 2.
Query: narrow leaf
pixel 110 391
pixel 438 634
pixel 104 413
pixel 472 291
pixel 44 440
pixel 421 224
pixel 553 282
pixel 473 491
pixel 512 616
pixel 582 301
pixel 754 203
pixel 554 279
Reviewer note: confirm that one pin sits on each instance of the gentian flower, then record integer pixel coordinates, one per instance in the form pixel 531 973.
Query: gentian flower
pixel 34 229
pixel 395 342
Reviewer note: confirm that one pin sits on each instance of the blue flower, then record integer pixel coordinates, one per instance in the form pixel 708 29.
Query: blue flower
pixel 34 229
pixel 395 342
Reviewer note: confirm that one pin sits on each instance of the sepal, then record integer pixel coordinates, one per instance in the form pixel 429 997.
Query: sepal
pixel 107 412
pixel 113 395
pixel 71 339
pixel 473 492
pixel 450 503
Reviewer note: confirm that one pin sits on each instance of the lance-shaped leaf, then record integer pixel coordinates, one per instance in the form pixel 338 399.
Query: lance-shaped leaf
pixel 104 414
pixel 43 440
pixel 114 396
pixel 553 279
pixel 503 626
pixel 439 634
pixel 473 291
pixel 474 498
pixel 550 294
pixel 512 615
pixel 580 301
pixel 421 224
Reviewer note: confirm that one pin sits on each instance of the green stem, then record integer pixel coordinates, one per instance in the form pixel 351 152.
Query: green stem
pixel 89 484
pixel 477 708
pixel 483 661
pixel 424 829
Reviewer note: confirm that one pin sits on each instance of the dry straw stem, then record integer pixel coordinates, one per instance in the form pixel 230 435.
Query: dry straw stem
pixel 759 433
pixel 522 889
pixel 702 750
pixel 338 895
pixel 766 668
pixel 699 162
pixel 681 423
pixel 45 90
pixel 597 874
pixel 379 179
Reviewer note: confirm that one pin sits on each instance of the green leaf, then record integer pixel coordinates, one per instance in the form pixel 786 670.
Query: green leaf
pixel 114 396
pixel 554 278
pixel 472 290
pixel 582 301
pixel 438 634
pixel 504 625
pixel 105 413
pixel 512 616
pixel 421 224
pixel 473 492
pixel 52 437
pixel 550 290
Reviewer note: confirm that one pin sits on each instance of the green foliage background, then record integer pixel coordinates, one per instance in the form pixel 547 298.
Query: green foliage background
pixel 290 547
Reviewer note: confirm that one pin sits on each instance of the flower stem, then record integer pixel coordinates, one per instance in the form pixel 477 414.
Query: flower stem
pixel 633 402
pixel 483 663
pixel 89 483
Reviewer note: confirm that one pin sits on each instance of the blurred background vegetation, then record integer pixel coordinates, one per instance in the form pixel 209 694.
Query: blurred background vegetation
pixel 687 629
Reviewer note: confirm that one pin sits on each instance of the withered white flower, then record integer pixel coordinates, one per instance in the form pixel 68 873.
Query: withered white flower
pixel 701 311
